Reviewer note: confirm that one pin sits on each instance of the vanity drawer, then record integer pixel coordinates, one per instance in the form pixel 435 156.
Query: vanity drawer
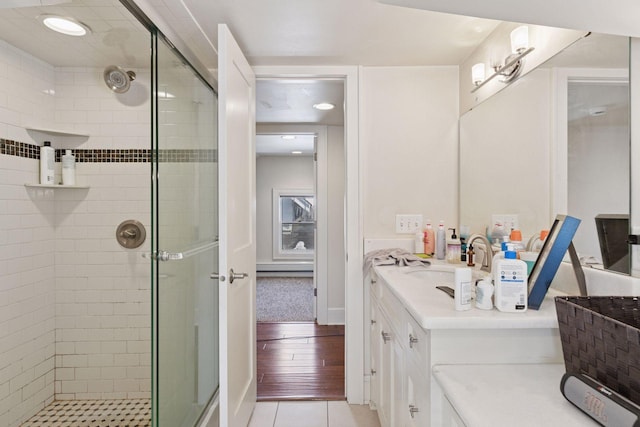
pixel 417 342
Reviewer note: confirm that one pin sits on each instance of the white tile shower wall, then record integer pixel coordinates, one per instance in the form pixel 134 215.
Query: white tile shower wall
pixel 103 298
pixel 27 293
pixel 27 296
pixel 85 105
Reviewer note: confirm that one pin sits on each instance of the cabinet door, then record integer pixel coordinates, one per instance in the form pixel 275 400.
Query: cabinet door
pixel 374 355
pixel 385 367
pixel 398 378
pixel 417 406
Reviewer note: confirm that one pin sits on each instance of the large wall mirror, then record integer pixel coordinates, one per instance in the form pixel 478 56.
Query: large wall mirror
pixel 556 141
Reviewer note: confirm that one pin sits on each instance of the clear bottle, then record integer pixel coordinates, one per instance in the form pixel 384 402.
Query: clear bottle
pixel 47 162
pixel 429 239
pixel 462 291
pixel 511 283
pixel 441 241
pixel 418 243
pixel 68 168
pixel 453 248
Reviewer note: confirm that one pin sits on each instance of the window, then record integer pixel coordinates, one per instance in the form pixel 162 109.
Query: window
pixel 293 224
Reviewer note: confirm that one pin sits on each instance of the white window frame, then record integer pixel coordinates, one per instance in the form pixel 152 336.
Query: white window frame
pixel 278 252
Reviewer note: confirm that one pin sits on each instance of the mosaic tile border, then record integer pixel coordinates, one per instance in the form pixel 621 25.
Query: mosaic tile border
pixel 32 151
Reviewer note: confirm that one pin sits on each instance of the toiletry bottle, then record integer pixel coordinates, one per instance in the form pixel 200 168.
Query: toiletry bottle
pixel 453 248
pixel 511 283
pixel 496 257
pixel 462 290
pixel 429 239
pixel 484 293
pixel 470 254
pixel 418 243
pixel 441 241
pixel 463 250
pixel 68 168
pixel 516 239
pixel 47 159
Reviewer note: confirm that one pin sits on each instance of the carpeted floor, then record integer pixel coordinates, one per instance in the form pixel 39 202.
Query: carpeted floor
pixel 284 299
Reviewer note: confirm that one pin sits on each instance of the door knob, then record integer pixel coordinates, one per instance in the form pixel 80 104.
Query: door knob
pixel 233 275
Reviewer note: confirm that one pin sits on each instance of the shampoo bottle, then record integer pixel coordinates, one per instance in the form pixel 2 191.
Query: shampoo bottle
pixel 429 239
pixel 47 159
pixel 462 291
pixel 418 243
pixel 441 241
pixel 453 248
pixel 511 283
pixel 68 168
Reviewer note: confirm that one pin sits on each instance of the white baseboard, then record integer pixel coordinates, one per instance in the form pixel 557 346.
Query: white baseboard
pixel 285 266
pixel 336 316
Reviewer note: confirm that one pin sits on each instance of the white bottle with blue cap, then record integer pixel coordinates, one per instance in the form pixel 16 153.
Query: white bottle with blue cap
pixel 510 281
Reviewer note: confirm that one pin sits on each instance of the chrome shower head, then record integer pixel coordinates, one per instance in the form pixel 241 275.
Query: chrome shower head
pixel 117 79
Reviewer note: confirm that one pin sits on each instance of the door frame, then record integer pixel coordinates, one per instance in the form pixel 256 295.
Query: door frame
pixel 354 286
pixel 320 257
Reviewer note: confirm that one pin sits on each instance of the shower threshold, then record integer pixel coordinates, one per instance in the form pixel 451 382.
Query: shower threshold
pixel 93 413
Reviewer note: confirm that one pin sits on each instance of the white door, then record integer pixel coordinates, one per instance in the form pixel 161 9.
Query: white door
pixel 236 85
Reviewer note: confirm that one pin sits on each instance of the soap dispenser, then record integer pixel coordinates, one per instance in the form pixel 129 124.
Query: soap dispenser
pixel 453 248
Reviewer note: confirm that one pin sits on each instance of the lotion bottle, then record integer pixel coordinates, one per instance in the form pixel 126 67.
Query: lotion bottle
pixel 511 283
pixel 68 168
pixel 441 241
pixel 47 161
pixel 429 239
pixel 453 248
pixel 462 291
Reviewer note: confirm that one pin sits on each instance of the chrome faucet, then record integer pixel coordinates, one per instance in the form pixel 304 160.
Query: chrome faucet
pixel 488 252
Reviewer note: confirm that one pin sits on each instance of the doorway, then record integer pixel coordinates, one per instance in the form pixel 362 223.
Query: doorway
pixel 284 108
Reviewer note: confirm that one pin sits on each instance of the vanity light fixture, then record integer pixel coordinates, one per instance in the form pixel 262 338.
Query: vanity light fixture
pixel 324 106
pixel 477 73
pixel 513 64
pixel 64 25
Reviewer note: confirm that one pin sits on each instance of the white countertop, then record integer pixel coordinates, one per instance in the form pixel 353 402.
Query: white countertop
pixel 509 395
pixel 433 309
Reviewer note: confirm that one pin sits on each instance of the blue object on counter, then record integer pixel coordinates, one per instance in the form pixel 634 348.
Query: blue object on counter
pixel 555 245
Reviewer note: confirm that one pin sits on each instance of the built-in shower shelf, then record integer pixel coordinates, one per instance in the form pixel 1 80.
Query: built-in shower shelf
pixel 57 186
pixel 58 132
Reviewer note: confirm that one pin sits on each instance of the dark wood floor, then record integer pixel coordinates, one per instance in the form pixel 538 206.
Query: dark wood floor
pixel 300 361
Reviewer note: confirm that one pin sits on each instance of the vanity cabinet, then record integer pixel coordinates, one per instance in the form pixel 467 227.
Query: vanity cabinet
pixel 414 327
pixel 399 386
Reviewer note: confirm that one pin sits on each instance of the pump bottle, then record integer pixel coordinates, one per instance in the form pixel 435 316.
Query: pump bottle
pixel 511 283
pixel 441 241
pixel 453 248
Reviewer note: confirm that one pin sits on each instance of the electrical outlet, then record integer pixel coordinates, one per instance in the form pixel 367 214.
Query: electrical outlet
pixel 508 221
pixel 408 224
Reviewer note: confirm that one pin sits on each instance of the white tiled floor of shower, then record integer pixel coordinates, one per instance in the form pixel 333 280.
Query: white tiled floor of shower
pixel 313 414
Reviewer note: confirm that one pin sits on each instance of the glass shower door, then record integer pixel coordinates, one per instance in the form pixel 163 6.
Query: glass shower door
pixel 185 216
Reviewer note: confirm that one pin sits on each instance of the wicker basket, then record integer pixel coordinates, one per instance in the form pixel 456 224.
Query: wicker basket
pixel 601 338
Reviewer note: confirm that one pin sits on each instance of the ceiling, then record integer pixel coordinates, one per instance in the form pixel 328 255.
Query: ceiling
pixel 270 32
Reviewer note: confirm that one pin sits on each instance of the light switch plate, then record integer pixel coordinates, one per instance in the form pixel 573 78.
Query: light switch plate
pixel 408 223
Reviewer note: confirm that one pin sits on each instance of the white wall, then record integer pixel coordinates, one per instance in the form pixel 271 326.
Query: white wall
pixel 409 146
pixel 280 172
pixel 335 209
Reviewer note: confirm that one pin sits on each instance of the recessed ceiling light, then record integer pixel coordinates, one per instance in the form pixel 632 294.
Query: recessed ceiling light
pixel 296 152
pixel 324 106
pixel 68 26
pixel 288 137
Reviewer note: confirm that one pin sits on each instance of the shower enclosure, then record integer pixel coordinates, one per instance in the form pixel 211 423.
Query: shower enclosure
pixel 90 329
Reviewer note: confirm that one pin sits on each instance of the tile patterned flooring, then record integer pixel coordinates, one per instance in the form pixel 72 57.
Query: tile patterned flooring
pixel 93 413
pixel 313 414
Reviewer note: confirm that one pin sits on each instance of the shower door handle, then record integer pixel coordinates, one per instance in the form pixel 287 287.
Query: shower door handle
pixel 217 276
pixel 234 276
